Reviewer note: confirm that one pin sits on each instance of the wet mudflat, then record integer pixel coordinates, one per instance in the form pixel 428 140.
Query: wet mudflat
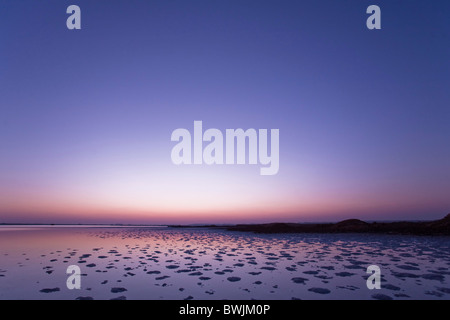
pixel 164 263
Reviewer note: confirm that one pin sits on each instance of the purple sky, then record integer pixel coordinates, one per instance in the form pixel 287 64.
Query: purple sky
pixel 87 115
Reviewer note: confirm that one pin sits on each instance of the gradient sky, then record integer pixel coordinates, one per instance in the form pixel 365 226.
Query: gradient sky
pixel 86 115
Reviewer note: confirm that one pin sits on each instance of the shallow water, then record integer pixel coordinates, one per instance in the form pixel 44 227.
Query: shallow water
pixel 163 263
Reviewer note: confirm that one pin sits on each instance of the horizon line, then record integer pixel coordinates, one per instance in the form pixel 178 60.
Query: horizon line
pixel 200 224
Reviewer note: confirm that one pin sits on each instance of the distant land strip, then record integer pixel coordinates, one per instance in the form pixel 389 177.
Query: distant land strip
pixel 437 227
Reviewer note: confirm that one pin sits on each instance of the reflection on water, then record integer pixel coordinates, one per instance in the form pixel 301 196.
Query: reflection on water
pixel 163 263
pixel 18 227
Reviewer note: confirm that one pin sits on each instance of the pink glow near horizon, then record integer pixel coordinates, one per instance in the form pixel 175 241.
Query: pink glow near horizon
pixel 107 192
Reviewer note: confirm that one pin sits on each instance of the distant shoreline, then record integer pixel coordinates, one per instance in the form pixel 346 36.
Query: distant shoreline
pixel 435 227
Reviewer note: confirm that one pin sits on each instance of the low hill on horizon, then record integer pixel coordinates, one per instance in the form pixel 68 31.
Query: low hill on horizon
pixel 437 227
